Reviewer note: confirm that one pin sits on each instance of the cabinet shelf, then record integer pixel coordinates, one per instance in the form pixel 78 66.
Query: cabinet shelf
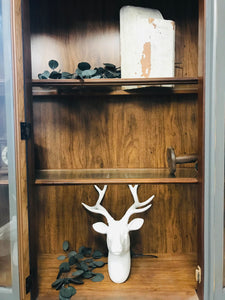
pixel 140 85
pixel 105 176
pixel 4 178
pixel 164 277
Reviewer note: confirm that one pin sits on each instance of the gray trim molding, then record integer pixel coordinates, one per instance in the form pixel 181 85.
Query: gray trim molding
pixel 214 149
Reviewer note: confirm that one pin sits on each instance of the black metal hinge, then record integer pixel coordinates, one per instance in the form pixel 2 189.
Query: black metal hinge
pixel 25 130
pixel 28 284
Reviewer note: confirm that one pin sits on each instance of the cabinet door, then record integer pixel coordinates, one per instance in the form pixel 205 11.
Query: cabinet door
pixel 215 152
pixel 14 242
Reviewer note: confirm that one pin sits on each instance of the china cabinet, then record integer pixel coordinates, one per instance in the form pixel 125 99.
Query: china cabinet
pixel 69 134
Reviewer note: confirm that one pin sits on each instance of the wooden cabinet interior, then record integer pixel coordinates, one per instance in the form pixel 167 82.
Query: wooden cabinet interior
pixel 93 132
pixel 90 32
pixel 112 132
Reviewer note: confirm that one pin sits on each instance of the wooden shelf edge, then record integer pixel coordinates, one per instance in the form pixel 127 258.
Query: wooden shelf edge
pixel 40 92
pixel 114 181
pixel 115 87
pixel 113 82
pixel 114 176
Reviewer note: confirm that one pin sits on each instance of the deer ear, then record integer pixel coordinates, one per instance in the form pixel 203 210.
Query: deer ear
pixel 100 227
pixel 135 224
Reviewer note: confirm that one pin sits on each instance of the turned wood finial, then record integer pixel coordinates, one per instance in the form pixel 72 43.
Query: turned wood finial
pixel 173 160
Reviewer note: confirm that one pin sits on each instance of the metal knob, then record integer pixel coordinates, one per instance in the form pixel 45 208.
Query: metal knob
pixel 173 160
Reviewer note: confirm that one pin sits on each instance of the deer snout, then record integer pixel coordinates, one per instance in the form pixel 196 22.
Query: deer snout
pixel 118 244
pixel 116 249
pixel 114 245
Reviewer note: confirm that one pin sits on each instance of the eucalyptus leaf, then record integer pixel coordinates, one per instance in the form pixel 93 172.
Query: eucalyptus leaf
pixel 72 253
pixel 53 64
pixel 55 75
pixel 97 254
pixel 65 245
pixel 89 260
pixel 81 249
pixel 86 251
pixel 65 292
pixel 99 263
pixel 99 71
pixel 87 275
pixel 84 266
pixel 42 76
pixel 96 77
pixel 88 73
pixel 76 281
pixel 79 256
pixel 98 277
pixel 64 267
pixel 78 273
pixel 63 298
pixel 84 66
pixel 66 75
pixel 58 287
pixel 109 66
pixel 110 74
pixel 46 73
pixel 61 257
pixel 56 283
pixel 74 76
pixel 78 71
pixel 72 290
pixel 66 281
pixel 92 265
pixel 72 260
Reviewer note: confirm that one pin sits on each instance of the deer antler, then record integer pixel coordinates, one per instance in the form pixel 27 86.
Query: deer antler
pixel 98 208
pixel 135 207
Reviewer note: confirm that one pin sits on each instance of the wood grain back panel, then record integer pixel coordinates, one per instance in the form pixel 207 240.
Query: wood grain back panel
pixel 169 227
pixel 89 31
pixel 90 132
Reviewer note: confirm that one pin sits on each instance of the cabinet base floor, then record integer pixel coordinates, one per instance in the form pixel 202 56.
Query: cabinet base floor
pixel 164 277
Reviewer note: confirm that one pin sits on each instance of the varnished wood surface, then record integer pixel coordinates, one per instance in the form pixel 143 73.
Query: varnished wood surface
pixel 93 176
pixel 19 95
pixel 112 82
pixel 107 132
pixel 99 91
pixel 89 31
pixel 170 225
pixel 165 277
pixel 158 86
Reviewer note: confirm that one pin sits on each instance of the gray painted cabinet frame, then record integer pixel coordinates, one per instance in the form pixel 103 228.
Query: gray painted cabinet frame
pixel 214 150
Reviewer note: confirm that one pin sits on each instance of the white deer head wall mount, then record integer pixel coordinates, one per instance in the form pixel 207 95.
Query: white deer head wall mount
pixel 117 231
